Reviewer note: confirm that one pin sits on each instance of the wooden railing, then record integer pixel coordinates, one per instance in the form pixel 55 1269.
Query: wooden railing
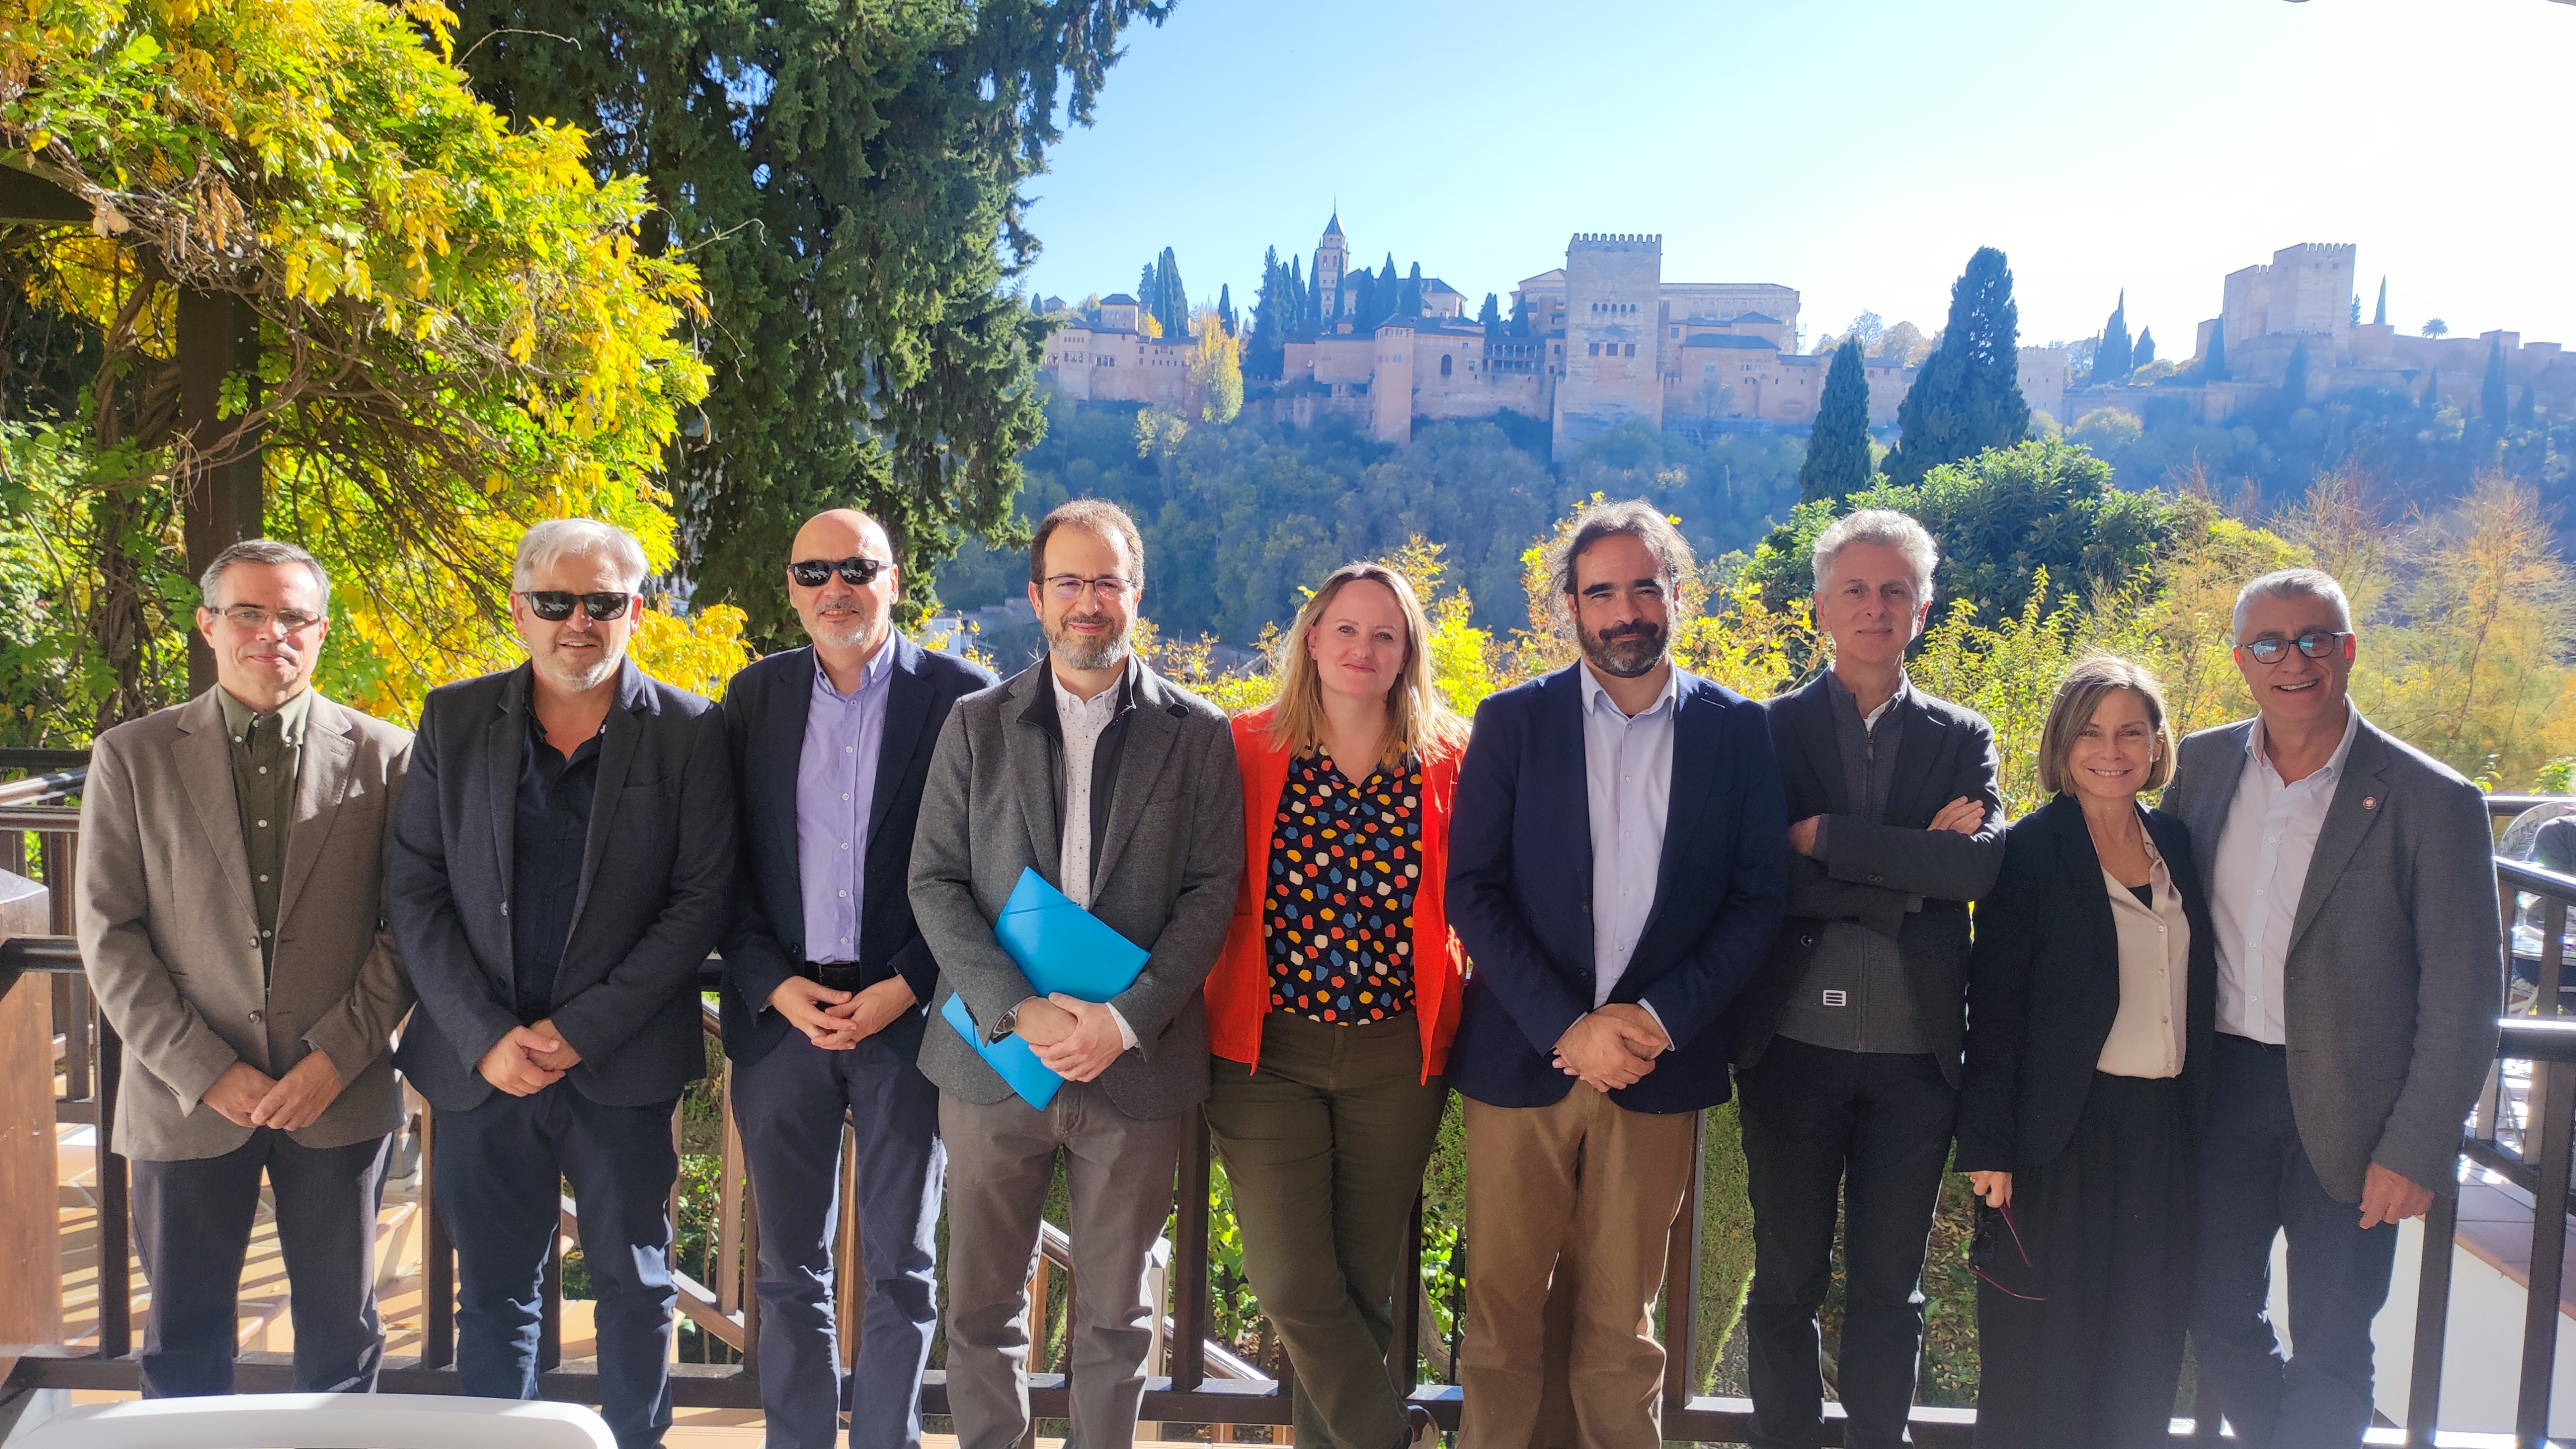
pixel 1203 1382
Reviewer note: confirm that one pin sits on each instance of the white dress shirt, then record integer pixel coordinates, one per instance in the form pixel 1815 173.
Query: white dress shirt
pixel 1628 785
pixel 2260 870
pixel 1083 722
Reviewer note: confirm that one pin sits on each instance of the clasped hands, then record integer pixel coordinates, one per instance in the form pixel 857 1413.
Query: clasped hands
pixel 528 1059
pixel 1076 1040
pixel 839 1020
pixel 1612 1047
pixel 248 1097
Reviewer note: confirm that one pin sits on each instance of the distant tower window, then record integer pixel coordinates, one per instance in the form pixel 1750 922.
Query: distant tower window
pixel 1444 364
pixel 1708 367
pixel 1596 349
pixel 1632 349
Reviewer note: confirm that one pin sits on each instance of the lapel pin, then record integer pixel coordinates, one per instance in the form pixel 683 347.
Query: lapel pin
pixel 2369 802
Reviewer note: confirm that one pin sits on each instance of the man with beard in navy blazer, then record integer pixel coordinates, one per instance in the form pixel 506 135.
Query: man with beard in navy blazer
pixel 1617 873
pixel 827 980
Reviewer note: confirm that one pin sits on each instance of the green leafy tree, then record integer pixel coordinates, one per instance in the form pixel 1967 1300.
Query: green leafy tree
pixel 2493 392
pixel 2112 362
pixel 2436 327
pixel 847 179
pixel 1838 461
pixel 1968 396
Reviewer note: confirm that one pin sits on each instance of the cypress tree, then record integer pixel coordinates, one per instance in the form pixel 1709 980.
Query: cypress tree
pixel 2112 362
pixel 2294 380
pixel 2380 318
pixel 2526 414
pixel 1171 299
pixel 1225 306
pixel 1838 464
pixel 2491 397
pixel 1968 396
pixel 1148 283
pixel 1408 301
pixel 1491 315
pixel 2215 368
pixel 2145 351
pixel 1301 302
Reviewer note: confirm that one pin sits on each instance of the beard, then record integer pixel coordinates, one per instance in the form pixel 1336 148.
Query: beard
pixel 847 631
pixel 1075 652
pixel 577 680
pixel 1623 651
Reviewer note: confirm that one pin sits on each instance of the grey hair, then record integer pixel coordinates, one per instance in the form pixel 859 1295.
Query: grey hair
pixel 1888 528
pixel 261 551
pixel 2295 584
pixel 558 539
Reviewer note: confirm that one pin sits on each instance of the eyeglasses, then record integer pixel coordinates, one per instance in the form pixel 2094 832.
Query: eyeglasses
pixel 555 605
pixel 1069 587
pixel 255 618
pixel 858 570
pixel 2316 644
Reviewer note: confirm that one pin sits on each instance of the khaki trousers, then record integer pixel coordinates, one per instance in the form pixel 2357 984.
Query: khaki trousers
pixel 1591 1190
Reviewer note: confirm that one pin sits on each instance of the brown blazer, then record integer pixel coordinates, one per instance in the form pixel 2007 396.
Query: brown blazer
pixel 171 943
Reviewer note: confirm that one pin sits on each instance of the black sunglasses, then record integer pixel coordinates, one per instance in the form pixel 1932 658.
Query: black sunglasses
pixel 2316 644
pixel 858 570
pixel 555 606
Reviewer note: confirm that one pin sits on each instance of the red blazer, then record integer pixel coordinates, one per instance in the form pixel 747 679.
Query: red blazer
pixel 1238 989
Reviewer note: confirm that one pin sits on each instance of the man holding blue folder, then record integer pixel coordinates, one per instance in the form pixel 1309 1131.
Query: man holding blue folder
pixel 1117 792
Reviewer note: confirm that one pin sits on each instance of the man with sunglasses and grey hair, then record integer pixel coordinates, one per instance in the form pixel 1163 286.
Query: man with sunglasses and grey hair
pixel 230 905
pixel 563 864
pixel 2360 972
pixel 826 980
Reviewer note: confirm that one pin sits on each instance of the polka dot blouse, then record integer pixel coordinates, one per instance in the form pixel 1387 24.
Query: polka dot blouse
pixel 1338 914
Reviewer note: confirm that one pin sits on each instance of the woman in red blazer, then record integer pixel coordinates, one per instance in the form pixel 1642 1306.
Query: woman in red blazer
pixel 1331 1006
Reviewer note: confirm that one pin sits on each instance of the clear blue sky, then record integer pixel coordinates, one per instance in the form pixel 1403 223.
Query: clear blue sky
pixel 1857 150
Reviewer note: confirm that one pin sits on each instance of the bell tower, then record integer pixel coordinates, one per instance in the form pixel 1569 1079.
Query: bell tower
pixel 1332 259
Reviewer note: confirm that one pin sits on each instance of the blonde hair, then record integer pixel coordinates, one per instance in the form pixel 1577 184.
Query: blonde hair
pixel 1419 723
pixel 2080 691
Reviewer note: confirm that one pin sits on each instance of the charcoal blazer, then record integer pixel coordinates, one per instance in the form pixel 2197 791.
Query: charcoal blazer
pixel 1167 851
pixel 1520 892
pixel 2044 987
pixel 1892 876
pixel 656 890
pixel 162 903
pixel 765 712
pixel 2395 974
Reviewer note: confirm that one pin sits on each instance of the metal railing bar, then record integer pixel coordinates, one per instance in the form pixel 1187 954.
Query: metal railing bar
pixel 41 789
pixel 2554 1118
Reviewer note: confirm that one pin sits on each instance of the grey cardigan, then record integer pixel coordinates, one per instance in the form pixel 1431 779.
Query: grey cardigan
pixel 2395 973
pixel 1165 861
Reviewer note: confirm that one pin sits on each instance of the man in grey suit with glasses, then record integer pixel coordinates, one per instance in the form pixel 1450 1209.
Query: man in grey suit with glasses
pixel 2360 971
pixel 1121 791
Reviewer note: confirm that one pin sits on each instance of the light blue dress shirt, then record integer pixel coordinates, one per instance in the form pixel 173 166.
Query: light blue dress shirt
pixel 1628 784
pixel 836 785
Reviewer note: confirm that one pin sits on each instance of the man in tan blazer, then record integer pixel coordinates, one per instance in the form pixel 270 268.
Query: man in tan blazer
pixel 231 913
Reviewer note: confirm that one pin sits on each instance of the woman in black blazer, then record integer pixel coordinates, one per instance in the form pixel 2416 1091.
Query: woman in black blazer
pixel 2092 992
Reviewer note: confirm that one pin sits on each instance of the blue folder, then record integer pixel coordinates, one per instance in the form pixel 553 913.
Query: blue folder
pixel 1059 947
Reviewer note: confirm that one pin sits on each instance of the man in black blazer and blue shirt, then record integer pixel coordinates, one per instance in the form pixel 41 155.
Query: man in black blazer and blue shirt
pixel 1591 1034
pixel 826 977
pixel 562 864
pixel 1847 1047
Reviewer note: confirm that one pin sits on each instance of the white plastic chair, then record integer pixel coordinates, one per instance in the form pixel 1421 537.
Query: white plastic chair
pixel 338 1421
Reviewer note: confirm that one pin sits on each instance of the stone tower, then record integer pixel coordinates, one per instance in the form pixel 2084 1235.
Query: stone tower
pixel 1613 323
pixel 1391 385
pixel 1332 259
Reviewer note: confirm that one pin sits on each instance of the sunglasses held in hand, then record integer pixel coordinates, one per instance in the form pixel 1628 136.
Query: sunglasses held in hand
pixel 555 605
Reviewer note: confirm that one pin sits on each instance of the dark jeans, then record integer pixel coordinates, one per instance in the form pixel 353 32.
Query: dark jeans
pixel 2255 1181
pixel 791 1103
pixel 499 1171
pixel 192 1224
pixel 1873 1128
pixel 1325 1145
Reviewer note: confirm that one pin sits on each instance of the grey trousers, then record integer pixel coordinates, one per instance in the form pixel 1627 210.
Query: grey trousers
pixel 1000 1160
pixel 791 1103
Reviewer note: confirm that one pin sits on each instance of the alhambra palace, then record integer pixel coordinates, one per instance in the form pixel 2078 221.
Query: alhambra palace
pixel 1606 339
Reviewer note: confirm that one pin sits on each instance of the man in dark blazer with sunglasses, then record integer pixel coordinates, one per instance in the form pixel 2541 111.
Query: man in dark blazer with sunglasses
pixel 826 980
pixel 561 866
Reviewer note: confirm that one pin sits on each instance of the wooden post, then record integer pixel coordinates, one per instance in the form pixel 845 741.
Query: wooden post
pixel 222 499
pixel 31 1249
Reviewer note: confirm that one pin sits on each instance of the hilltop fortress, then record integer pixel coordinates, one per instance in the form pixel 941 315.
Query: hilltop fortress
pixel 1605 339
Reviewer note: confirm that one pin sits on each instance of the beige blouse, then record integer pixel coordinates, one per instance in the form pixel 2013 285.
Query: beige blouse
pixel 2155 977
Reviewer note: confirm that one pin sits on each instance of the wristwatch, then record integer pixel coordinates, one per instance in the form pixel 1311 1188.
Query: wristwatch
pixel 1005 1024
